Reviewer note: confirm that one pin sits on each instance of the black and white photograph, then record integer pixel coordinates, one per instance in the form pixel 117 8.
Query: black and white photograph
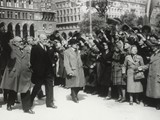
pixel 80 59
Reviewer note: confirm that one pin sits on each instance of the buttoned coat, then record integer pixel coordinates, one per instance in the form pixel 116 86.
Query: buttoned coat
pixel 17 75
pixel 73 64
pixel 153 80
pixel 131 66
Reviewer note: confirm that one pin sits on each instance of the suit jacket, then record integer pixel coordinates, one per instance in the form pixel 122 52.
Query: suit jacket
pixel 40 64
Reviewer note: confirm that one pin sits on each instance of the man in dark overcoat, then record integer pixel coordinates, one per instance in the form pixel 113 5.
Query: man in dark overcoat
pixel 43 73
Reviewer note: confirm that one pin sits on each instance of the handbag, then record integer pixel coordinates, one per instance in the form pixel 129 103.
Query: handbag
pixel 139 75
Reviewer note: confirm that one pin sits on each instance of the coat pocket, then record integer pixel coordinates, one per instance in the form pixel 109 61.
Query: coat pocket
pixel 11 72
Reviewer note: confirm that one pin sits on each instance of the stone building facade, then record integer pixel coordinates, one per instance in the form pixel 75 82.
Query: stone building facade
pixel 28 17
pixel 69 15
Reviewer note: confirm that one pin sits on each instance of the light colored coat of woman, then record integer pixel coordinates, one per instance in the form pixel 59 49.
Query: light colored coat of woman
pixel 131 66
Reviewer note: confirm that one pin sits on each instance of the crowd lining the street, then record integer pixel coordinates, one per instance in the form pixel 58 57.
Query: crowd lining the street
pixel 119 62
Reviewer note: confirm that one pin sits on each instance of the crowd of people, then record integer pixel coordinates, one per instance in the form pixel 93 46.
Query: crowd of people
pixel 120 63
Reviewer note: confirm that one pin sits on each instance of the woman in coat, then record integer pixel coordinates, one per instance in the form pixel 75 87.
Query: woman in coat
pixel 17 75
pixel 131 64
pixel 117 79
pixel 74 69
pixel 105 59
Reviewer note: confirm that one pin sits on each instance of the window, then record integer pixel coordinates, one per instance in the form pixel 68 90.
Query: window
pixel 75 18
pixel 71 11
pixel 64 19
pixel 23 15
pixel 8 14
pixel 24 3
pixel 58 19
pixel 16 15
pixel 68 18
pixel 61 12
pixel 67 11
pixel 61 20
pixel 30 4
pixel 19 15
pixel 30 16
pixel 79 10
pixel 26 15
pixel 8 3
pixel 11 13
pixel 1 3
pixel 71 18
pixel 79 17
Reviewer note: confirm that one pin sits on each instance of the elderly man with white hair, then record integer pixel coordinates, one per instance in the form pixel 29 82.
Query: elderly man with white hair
pixel 17 75
pixel 43 73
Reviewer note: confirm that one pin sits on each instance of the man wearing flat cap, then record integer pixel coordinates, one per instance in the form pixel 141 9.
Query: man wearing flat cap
pixel 74 69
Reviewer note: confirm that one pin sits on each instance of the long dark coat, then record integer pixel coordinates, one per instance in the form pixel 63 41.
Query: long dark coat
pixel 153 80
pixel 105 66
pixel 41 64
pixel 73 64
pixel 131 66
pixel 17 75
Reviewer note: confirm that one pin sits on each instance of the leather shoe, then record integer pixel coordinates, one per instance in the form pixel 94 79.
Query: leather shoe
pixel 40 97
pixel 52 106
pixel 158 107
pixel 108 98
pixel 29 111
pixel 119 99
pixel 16 101
pixel 137 101
pixel 9 108
pixel 122 100
pixel 74 98
pixel 131 103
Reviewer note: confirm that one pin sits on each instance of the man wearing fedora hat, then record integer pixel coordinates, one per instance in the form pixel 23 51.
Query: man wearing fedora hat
pixel 74 69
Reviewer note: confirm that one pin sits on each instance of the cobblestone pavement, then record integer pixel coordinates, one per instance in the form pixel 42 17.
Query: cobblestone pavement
pixel 90 107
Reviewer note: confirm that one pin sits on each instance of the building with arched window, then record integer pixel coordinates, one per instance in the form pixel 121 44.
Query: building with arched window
pixel 28 17
pixel 69 15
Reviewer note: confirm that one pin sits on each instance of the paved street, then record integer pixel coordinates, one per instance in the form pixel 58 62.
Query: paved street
pixel 90 107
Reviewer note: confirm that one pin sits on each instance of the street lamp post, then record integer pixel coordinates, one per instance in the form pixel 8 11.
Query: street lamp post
pixel 90 18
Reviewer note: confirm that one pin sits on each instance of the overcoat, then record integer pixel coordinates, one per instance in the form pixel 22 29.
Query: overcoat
pixel 105 66
pixel 73 64
pixel 25 71
pixel 17 75
pixel 153 80
pixel 131 66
